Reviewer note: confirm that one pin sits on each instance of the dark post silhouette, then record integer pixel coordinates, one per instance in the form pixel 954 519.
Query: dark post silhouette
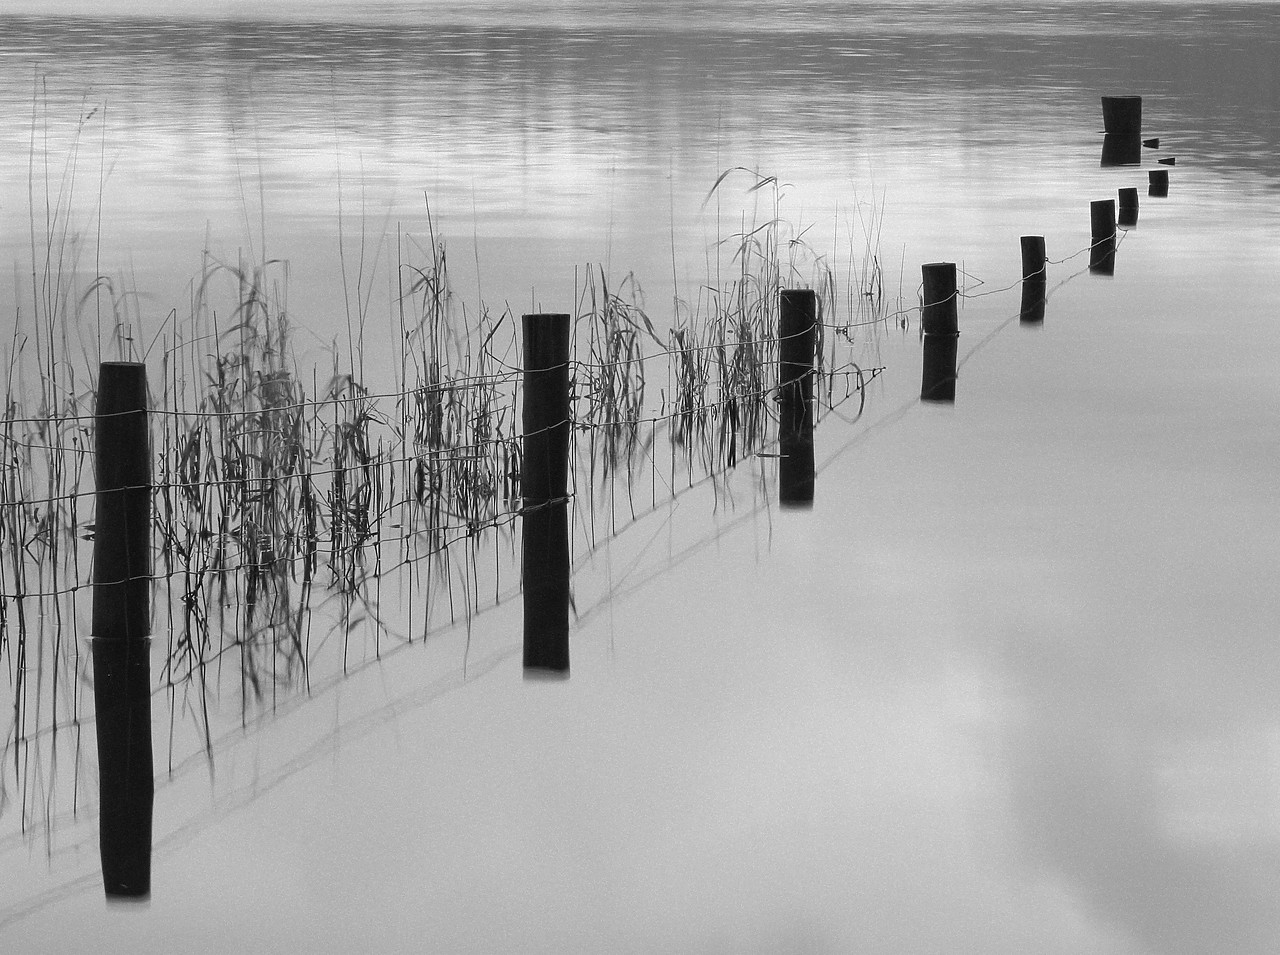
pixel 1034 279
pixel 941 332
pixel 1122 115
pixel 122 534
pixel 1102 228
pixel 544 484
pixel 1127 210
pixel 121 625
pixel 1158 183
pixel 126 789
pixel 1122 120
pixel 798 337
pixel 1119 150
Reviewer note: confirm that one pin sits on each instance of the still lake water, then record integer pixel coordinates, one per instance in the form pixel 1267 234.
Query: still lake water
pixel 1010 686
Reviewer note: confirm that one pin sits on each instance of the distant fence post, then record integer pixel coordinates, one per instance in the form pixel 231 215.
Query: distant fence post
pixel 1102 228
pixel 1122 122
pixel 1127 210
pixel 797 343
pixel 121 624
pixel 1158 183
pixel 1122 115
pixel 1034 279
pixel 544 487
pixel 941 332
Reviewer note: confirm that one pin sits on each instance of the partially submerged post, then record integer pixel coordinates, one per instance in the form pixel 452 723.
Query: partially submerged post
pixel 544 487
pixel 797 343
pixel 1158 183
pixel 121 625
pixel 1034 279
pixel 1122 115
pixel 126 789
pixel 1118 150
pixel 941 326
pixel 122 522
pixel 1122 120
pixel 1102 228
pixel 1127 214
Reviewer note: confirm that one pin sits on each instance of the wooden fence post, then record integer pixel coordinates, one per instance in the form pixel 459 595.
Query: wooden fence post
pixel 122 524
pixel 941 332
pixel 1127 210
pixel 121 624
pixel 544 487
pixel 797 343
pixel 1034 279
pixel 1122 115
pixel 1122 121
pixel 1102 228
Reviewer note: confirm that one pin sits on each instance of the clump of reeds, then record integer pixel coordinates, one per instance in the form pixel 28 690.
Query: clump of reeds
pixel 613 376
pixel 282 498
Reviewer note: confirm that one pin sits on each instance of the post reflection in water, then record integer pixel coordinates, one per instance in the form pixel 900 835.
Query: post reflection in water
pixel 122 706
pixel 939 324
pixel 1121 150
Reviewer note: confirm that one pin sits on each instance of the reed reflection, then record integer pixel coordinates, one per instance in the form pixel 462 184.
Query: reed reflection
pixel 302 524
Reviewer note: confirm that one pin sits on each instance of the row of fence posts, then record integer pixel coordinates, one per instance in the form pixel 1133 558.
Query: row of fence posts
pixel 122 553
pixel 1122 145
pixel 122 561
pixel 544 462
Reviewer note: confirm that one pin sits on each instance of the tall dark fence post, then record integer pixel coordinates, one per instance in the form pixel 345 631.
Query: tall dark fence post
pixel 797 343
pixel 1122 115
pixel 544 483
pixel 941 332
pixel 1102 228
pixel 1034 278
pixel 1127 210
pixel 122 535
pixel 121 624
pixel 1158 183
pixel 1122 120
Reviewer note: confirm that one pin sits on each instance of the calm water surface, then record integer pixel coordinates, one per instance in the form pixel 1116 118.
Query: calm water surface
pixel 1009 687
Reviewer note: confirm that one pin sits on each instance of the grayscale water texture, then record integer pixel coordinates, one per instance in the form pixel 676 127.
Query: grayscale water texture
pixel 1010 686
